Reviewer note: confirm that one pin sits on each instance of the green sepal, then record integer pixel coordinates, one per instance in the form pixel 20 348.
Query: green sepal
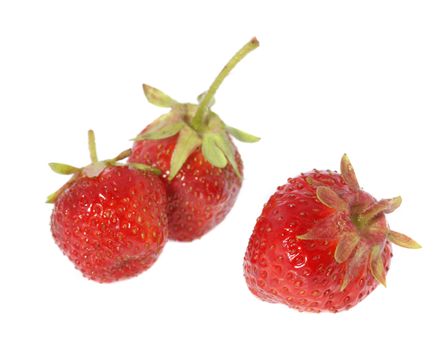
pixel 225 145
pixel 157 97
pixel 376 264
pixel 241 135
pixel 164 131
pixel 402 240
pixel 211 152
pixel 322 229
pixel 92 170
pixel 63 169
pixel 330 198
pixel 385 206
pixel 347 243
pixel 355 265
pixel 144 167
pixel 122 155
pixel 348 173
pixel 392 204
pixel 52 197
pixel 194 122
pixel 187 143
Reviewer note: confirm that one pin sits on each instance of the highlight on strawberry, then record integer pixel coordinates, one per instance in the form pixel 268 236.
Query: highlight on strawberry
pixel 192 146
pixel 109 219
pixel 321 243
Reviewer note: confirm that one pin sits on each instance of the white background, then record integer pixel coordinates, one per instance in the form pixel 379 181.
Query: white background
pixel 362 77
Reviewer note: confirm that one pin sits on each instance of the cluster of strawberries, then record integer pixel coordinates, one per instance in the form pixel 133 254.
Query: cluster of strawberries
pixel 320 244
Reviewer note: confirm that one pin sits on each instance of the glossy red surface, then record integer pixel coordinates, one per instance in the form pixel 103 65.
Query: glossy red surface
pixel 303 274
pixel 113 226
pixel 200 196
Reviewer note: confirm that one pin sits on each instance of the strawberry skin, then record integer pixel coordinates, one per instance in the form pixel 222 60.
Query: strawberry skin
pixel 303 274
pixel 193 148
pixel 200 195
pixel 112 226
pixel 321 243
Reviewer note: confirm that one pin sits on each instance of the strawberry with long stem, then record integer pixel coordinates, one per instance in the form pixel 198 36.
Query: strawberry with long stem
pixel 201 166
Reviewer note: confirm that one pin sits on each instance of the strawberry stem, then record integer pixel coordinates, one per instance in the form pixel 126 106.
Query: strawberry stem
pixel 198 119
pixel 92 146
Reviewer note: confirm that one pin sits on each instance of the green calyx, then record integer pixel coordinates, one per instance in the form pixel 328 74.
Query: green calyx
pixel 196 125
pixel 94 168
pixel 359 227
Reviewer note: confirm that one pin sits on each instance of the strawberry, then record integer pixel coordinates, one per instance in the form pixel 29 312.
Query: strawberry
pixel 201 166
pixel 109 219
pixel 321 243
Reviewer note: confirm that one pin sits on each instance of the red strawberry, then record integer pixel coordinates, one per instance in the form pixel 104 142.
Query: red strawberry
pixel 109 220
pixel 192 146
pixel 321 243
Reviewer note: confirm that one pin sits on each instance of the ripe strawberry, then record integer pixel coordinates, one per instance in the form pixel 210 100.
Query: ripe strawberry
pixel 192 146
pixel 109 220
pixel 321 243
